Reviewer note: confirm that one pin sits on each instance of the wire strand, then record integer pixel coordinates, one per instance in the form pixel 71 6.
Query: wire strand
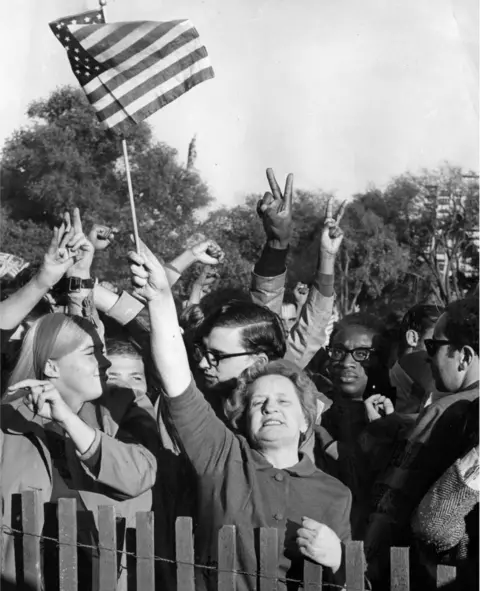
pixel 12 532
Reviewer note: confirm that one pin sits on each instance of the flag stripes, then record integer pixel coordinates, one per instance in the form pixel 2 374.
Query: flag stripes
pixel 130 70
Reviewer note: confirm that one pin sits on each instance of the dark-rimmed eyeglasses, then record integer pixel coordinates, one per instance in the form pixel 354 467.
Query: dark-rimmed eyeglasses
pixel 213 357
pixel 359 354
pixel 433 345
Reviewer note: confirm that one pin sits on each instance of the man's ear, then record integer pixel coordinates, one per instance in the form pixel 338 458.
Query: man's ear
pixel 51 369
pixel 262 357
pixel 467 357
pixel 411 336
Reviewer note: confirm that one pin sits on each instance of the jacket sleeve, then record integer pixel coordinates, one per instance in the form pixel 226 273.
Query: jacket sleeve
pixel 208 443
pixel 310 331
pixel 127 461
pixel 439 521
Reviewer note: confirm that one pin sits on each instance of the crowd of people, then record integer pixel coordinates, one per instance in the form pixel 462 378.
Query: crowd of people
pixel 244 409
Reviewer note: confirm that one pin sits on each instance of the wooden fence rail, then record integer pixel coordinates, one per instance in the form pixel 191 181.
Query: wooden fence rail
pixel 145 558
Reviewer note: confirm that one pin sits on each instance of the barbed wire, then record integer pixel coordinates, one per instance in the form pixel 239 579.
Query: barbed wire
pixel 12 532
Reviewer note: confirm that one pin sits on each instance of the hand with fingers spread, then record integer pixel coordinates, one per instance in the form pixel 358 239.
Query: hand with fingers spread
pixel 319 543
pixel 275 210
pixel 208 252
pixel 102 237
pixel 78 245
pixel 378 406
pixel 332 234
pixel 148 275
pixel 44 400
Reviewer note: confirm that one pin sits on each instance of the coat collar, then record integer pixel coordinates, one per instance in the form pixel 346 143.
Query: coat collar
pixel 305 467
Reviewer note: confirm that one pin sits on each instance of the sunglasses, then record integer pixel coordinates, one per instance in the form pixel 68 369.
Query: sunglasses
pixel 433 345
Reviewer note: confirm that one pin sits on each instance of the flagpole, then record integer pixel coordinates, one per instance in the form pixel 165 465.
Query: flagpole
pixel 103 4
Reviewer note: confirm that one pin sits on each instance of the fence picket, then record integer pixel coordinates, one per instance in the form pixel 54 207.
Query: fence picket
pixel 145 551
pixel 355 566
pixel 67 536
pixel 312 576
pixel 399 569
pixel 445 575
pixel 107 537
pixel 268 558
pixel 184 554
pixel 227 550
pixel 32 523
pixel 32 528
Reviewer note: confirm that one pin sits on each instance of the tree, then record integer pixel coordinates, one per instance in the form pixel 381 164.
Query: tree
pixel 370 262
pixel 436 215
pixel 64 158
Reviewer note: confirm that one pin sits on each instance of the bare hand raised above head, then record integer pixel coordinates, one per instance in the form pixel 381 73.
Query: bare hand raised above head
pixel 81 248
pixel 300 293
pixel 208 252
pixel 332 234
pixel 148 275
pixel 102 236
pixel 58 258
pixel 275 211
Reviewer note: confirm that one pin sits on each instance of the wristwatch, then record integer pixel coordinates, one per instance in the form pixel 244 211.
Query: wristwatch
pixel 68 284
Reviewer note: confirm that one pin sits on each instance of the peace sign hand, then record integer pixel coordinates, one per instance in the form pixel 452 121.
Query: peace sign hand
pixel 58 259
pixel 275 210
pixel 332 234
pixel 78 244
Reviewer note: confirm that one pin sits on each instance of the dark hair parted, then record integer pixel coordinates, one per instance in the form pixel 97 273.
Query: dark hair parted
pixel 262 330
pixel 419 318
pixel 237 404
pixel 462 326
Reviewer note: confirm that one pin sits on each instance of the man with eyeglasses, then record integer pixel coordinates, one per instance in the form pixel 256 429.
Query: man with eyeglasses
pixel 436 439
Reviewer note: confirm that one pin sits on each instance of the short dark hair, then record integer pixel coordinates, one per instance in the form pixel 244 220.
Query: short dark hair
pixel 462 326
pixel 262 329
pixel 118 346
pixel 419 318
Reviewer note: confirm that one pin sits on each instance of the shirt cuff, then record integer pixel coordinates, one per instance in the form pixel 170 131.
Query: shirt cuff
pixel 125 309
pixel 91 457
pixel 272 262
pixel 324 284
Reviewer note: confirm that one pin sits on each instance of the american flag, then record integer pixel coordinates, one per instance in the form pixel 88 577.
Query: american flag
pixel 129 70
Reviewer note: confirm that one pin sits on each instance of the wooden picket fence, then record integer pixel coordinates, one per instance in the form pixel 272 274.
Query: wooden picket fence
pixel 145 558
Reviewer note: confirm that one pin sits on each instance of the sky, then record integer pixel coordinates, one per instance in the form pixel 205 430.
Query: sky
pixel 342 93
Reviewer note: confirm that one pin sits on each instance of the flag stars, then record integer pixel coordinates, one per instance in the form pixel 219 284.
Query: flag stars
pixel 60 25
pixel 76 50
pixel 87 19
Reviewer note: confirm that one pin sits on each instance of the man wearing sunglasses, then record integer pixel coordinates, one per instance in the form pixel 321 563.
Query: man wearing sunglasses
pixel 436 439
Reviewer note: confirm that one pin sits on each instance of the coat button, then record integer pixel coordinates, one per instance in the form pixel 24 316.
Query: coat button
pixel 278 516
pixel 278 477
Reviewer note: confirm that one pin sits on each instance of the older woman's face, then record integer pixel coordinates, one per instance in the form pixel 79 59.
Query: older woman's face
pixel 275 416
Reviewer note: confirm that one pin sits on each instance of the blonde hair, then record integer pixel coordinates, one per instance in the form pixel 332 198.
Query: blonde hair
pixel 50 337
